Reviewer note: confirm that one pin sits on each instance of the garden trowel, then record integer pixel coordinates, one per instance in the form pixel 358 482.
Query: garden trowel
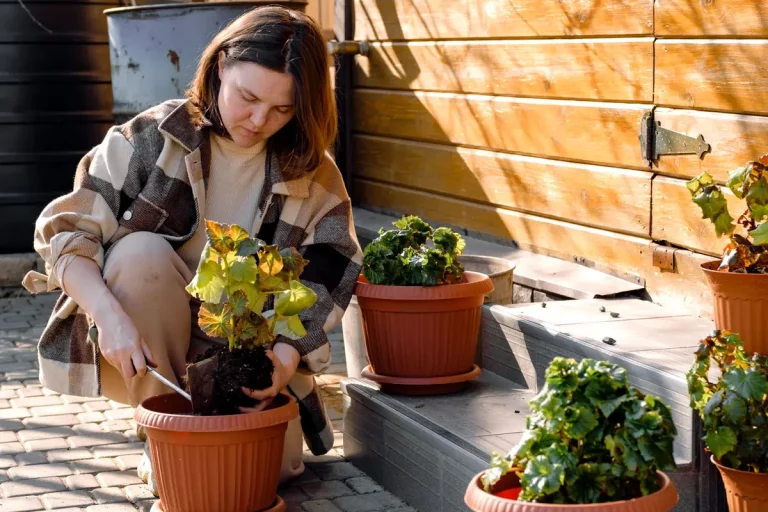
pixel 200 380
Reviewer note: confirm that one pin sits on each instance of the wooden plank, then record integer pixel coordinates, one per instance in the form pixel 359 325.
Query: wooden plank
pixel 621 253
pixel 601 133
pixel 677 220
pixel 462 19
pixel 595 69
pixel 726 74
pixel 735 140
pixel 615 199
pixel 740 18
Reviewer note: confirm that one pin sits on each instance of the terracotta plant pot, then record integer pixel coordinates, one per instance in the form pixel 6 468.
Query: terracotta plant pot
pixel 499 270
pixel 745 491
pixel 741 305
pixel 215 463
pixel 423 332
pixel 478 500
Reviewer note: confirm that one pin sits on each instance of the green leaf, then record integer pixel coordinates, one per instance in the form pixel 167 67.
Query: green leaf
pixel 208 283
pixel 294 300
pixel 760 235
pixel 734 408
pixel 584 484
pixel 715 208
pixel 293 261
pixel 748 384
pixel 238 303
pixel 290 327
pixel 714 402
pixel 757 198
pixel 250 247
pixel 242 268
pixel 736 181
pixel 542 476
pixel 721 441
pixel 580 421
pixel 500 466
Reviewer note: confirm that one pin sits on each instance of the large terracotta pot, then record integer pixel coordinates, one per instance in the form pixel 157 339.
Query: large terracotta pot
pixel 422 335
pixel 741 305
pixel 478 500
pixel 215 463
pixel 745 491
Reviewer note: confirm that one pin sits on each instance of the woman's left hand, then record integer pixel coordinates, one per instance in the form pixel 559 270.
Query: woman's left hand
pixel 285 359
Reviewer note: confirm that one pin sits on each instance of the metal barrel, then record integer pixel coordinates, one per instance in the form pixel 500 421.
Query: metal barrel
pixel 55 104
pixel 155 49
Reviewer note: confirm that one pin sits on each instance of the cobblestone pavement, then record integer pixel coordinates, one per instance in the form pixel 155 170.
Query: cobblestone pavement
pixel 70 453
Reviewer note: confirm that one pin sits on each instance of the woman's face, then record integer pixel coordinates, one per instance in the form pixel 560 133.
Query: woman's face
pixel 254 102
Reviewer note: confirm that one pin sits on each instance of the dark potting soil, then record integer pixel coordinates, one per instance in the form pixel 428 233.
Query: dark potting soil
pixel 249 368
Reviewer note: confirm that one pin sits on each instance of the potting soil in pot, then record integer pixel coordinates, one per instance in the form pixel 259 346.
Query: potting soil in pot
pixel 239 368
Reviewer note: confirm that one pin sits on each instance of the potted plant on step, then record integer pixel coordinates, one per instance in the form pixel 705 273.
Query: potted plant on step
pixel 590 438
pixel 739 282
pixel 734 411
pixel 420 310
pixel 230 461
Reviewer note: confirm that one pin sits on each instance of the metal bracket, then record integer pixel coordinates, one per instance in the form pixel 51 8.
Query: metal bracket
pixel 656 141
pixel 349 47
pixel 664 258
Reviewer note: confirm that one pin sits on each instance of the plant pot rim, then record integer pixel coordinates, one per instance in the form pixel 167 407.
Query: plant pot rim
pixel 476 284
pixel 492 502
pixel 733 470
pixel 710 268
pixel 146 415
pixel 501 261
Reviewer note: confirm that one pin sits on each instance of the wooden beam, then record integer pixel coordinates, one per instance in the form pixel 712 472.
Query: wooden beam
pixel 737 18
pixel 595 69
pixel 600 133
pixel 462 19
pixel 614 199
pixel 714 74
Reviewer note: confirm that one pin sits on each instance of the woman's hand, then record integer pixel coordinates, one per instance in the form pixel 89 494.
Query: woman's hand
pixel 120 342
pixel 285 359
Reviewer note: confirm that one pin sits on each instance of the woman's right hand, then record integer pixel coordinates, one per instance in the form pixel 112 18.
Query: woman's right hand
pixel 121 344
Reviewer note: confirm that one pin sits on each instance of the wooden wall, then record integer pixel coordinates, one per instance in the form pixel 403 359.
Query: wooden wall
pixel 520 119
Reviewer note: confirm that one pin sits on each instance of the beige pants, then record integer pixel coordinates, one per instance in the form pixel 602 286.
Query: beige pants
pixel 148 278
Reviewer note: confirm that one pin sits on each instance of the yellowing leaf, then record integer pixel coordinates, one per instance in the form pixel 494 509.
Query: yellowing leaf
pixel 290 327
pixel 242 268
pixel 295 299
pixel 293 261
pixel 270 261
pixel 224 237
pixel 208 283
pixel 214 320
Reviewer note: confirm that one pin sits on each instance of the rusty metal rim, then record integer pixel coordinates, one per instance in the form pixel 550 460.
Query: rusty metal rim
pixel 199 5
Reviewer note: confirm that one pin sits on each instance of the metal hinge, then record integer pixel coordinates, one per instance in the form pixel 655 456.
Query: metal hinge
pixel 349 47
pixel 664 258
pixel 656 141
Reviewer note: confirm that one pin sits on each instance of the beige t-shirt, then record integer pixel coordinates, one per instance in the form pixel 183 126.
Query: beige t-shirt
pixel 232 196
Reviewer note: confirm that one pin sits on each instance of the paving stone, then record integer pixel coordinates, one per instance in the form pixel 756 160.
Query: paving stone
pixel 67 455
pixel 7 461
pixel 90 417
pixel 118 479
pixel 368 502
pixel 307 476
pixel 131 436
pixel 319 506
pixel 35 486
pixel 114 507
pixel 57 410
pixel 37 401
pixel 118 405
pixel 138 492
pixel 97 406
pixel 119 414
pixel 87 428
pixel 25 504
pixel 11 425
pixel 326 490
pixel 10 414
pixel 117 425
pixel 7 394
pixel 67 499
pixel 363 485
pixel 118 450
pixel 109 495
pixel 65 420
pixel 12 367
pixel 146 505
pixel 45 433
pixel 12 384
pixel 94 465
pixel 402 509
pixel 4 404
pixel 3 476
pixel 45 445
pixel 7 437
pixel 11 448
pixel 128 462
pixel 31 458
pixel 39 471
pixel 336 471
pixel 79 482
pixel 292 495
pixel 71 399
pixel 96 439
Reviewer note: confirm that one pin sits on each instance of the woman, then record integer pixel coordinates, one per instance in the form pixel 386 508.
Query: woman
pixel 246 147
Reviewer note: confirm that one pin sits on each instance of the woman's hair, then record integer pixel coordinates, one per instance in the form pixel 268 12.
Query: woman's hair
pixel 281 40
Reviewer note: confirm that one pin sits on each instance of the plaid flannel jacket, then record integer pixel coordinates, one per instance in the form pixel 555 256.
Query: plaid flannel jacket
pixel 150 174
